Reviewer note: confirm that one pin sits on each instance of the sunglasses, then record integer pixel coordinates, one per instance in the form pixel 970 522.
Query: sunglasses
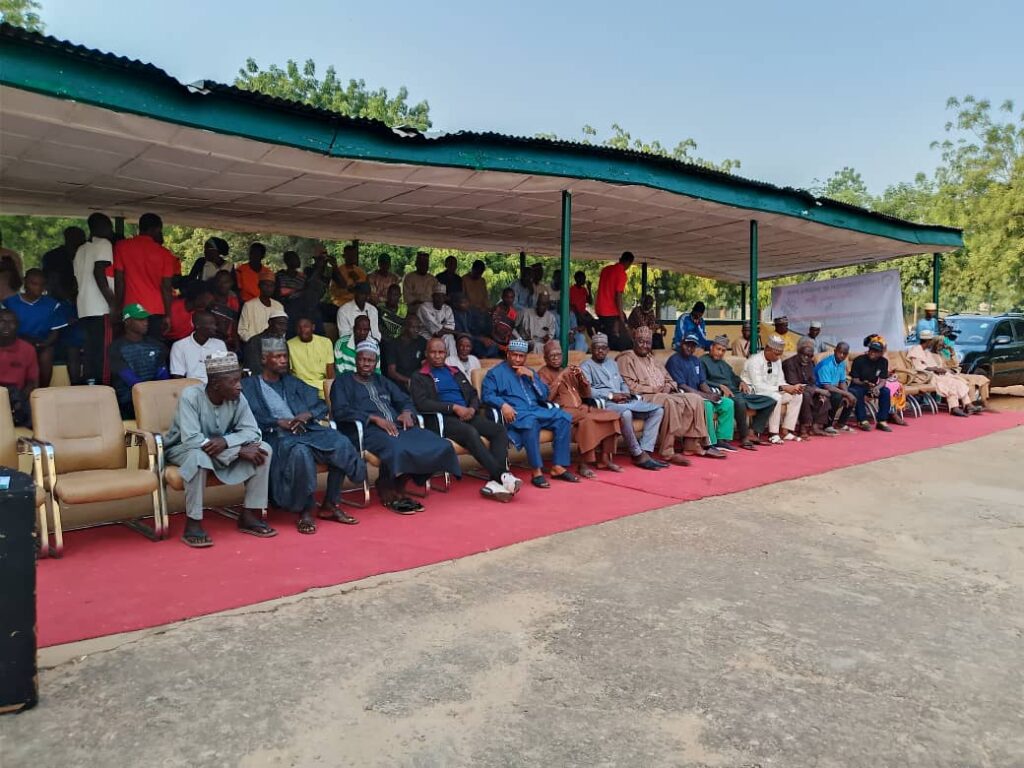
pixel 769 367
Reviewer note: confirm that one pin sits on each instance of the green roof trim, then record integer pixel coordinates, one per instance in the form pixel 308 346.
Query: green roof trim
pixel 33 62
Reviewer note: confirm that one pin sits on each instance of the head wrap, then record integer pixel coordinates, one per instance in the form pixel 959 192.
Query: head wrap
pixel 691 337
pixel 519 345
pixel 776 343
pixel 931 305
pixel 782 319
pixel 439 288
pixel 277 313
pixel 369 346
pixel 926 334
pixel 222 362
pixel 643 333
pixel 816 324
pixel 722 341
pixel 552 345
pixel 270 344
pixel 599 338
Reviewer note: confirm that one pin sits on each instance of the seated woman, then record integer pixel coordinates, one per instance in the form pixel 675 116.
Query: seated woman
pixel 594 429
pixel 390 431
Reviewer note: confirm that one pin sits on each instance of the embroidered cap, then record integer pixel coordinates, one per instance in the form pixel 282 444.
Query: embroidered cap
pixel 722 341
pixel 599 338
pixel 222 362
pixel 369 346
pixel 519 345
pixel 271 344
pixel 776 343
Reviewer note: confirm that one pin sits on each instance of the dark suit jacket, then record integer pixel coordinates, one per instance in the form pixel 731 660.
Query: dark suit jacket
pixel 423 391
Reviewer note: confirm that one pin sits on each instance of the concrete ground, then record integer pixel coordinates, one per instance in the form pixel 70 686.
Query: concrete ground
pixel 872 616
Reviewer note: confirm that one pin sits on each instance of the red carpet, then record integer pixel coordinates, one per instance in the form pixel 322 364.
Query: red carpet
pixel 112 580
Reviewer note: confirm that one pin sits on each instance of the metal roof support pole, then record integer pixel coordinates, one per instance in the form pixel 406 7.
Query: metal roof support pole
pixel 119 226
pixel 643 280
pixel 755 326
pixel 564 287
pixel 936 279
pixel 522 261
pixel 743 302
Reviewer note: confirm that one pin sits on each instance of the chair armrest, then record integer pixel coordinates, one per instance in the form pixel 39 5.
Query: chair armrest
pixel 26 446
pixel 432 421
pixel 151 441
pixel 49 464
pixel 353 426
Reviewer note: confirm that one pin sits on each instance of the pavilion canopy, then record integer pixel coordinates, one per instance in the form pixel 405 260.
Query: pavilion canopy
pixel 82 130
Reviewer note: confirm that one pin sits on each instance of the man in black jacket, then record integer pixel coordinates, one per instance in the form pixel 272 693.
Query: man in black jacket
pixel 438 388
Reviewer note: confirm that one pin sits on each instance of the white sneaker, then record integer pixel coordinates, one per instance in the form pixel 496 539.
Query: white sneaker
pixel 511 483
pixel 496 491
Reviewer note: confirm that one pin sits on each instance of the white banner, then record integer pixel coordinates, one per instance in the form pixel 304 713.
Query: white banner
pixel 849 308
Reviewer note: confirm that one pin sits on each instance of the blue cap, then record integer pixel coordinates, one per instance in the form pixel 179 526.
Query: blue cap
pixel 691 337
pixel 519 345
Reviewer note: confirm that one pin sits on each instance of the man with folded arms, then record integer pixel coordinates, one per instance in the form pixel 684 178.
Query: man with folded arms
pixel 814 406
pixel 721 378
pixel 214 431
pixel 438 388
pixel 685 369
pixel 762 373
pixel 830 375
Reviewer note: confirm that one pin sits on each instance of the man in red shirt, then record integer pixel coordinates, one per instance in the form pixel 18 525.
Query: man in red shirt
pixel 611 314
pixel 250 274
pixel 143 270
pixel 19 368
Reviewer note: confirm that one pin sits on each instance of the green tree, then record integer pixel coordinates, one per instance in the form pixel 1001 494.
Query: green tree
pixel 300 83
pixel 22 13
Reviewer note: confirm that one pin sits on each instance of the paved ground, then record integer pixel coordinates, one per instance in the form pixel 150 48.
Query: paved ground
pixel 869 617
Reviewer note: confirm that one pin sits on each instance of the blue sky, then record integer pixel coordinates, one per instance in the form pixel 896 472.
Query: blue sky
pixel 795 90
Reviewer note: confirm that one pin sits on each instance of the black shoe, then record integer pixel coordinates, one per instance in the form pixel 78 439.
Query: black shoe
pixel 659 463
pixel 883 427
pixel 724 446
pixel 650 464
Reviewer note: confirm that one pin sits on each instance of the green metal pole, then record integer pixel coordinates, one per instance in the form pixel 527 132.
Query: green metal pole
pixel 643 280
pixel 936 279
pixel 754 313
pixel 566 240
pixel 119 226
pixel 743 302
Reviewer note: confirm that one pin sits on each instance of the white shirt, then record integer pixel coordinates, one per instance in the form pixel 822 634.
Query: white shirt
pixel 756 376
pixel 467 367
pixel 188 356
pixel 255 317
pixel 433 320
pixel 347 314
pixel 90 299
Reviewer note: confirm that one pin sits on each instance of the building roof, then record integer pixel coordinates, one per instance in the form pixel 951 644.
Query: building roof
pixel 85 130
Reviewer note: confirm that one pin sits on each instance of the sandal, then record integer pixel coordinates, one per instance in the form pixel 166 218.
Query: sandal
pixel 747 445
pixel 305 526
pixel 566 476
pixel 197 541
pixel 261 530
pixel 540 482
pixel 403 506
pixel 587 473
pixel 775 440
pixel 792 438
pixel 611 467
pixel 336 514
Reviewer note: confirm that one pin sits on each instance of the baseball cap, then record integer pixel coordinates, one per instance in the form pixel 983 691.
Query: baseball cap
pixel 134 312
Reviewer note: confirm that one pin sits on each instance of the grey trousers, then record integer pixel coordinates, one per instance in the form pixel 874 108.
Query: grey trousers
pixel 649 413
pixel 255 489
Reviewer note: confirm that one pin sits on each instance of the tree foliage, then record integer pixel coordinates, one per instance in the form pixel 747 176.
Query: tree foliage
pixel 22 13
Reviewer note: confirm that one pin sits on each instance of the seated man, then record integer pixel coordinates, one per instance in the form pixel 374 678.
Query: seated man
pixel 443 389
pixel 684 412
pixel 814 406
pixel 277 328
pixel 40 320
pixel 311 356
pixel 830 375
pixel 465 360
pixel 474 325
pixel 762 373
pixel 214 431
pixel 404 356
pixel 868 376
pixel 19 368
pixel 345 347
pixel 606 383
pixel 953 389
pixel 135 357
pixel 685 369
pixel 360 306
pixel 741 347
pixel 388 314
pixel 188 355
pixel 721 378
pixel 437 319
pixel 288 413
pixel 814 334
pixel 257 312
pixel 539 325
pixel 978 383
pixel 504 321
pixel 644 314
pixel 522 398
pixel 389 431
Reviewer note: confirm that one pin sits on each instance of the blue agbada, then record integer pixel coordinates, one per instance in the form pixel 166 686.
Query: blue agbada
pixel 293 467
pixel 529 397
pixel 415 452
pixel 686 371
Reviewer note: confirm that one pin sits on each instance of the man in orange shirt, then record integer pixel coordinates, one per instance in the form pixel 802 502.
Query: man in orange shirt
pixel 250 274
pixel 143 270
pixel 611 313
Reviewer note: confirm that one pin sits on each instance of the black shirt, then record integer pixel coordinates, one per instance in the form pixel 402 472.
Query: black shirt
pixel 452 283
pixel 405 354
pixel 871 371
pixel 59 269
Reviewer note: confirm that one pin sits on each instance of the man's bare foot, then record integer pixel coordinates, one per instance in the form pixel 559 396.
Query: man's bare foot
pixel 306 523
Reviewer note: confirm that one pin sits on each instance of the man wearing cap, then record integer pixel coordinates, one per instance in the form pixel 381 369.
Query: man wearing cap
pixel 256 313
pixel 692 325
pixel 741 346
pixel 539 325
pixel 814 334
pixel 955 390
pixel 389 431
pixel 608 386
pixel 345 347
pixel 277 327
pixel 518 394
pixel 684 417
pixel 722 379
pixel 436 318
pixel 135 357
pixel 438 388
pixel 830 375
pixel 686 370
pixel 288 412
pixel 814 405
pixel 867 379
pixel 789 339
pixel 360 305
pixel 188 355
pixel 214 431
pixel 762 373
pixel 930 321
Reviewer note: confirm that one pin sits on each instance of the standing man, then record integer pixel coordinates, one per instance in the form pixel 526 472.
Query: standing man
pixel 213 260
pixel 830 375
pixel 762 373
pixel 930 321
pixel 610 307
pixel 40 320
pixel 418 285
pixel 214 431
pixel 345 277
pixel 135 357
pixel 523 290
pixel 188 355
pixel 19 368
pixel 256 313
pixel 789 339
pixel 96 299
pixel 686 370
pixel 607 384
pixel 381 280
pixel 814 406
pixel 59 266
pixel 692 325
pixel 723 380
pixel 360 305
pixel 311 356
pixel 252 273
pixel 475 287
pixel 143 270
pixel 449 278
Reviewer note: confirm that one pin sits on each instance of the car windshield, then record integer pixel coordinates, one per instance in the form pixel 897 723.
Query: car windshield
pixel 971 330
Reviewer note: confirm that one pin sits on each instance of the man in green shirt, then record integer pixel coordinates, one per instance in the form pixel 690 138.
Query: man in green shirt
pixel 723 379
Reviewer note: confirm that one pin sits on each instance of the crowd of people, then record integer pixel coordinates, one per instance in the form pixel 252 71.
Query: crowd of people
pixel 271 382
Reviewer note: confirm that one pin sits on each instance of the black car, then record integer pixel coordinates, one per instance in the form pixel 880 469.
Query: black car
pixel 992 345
